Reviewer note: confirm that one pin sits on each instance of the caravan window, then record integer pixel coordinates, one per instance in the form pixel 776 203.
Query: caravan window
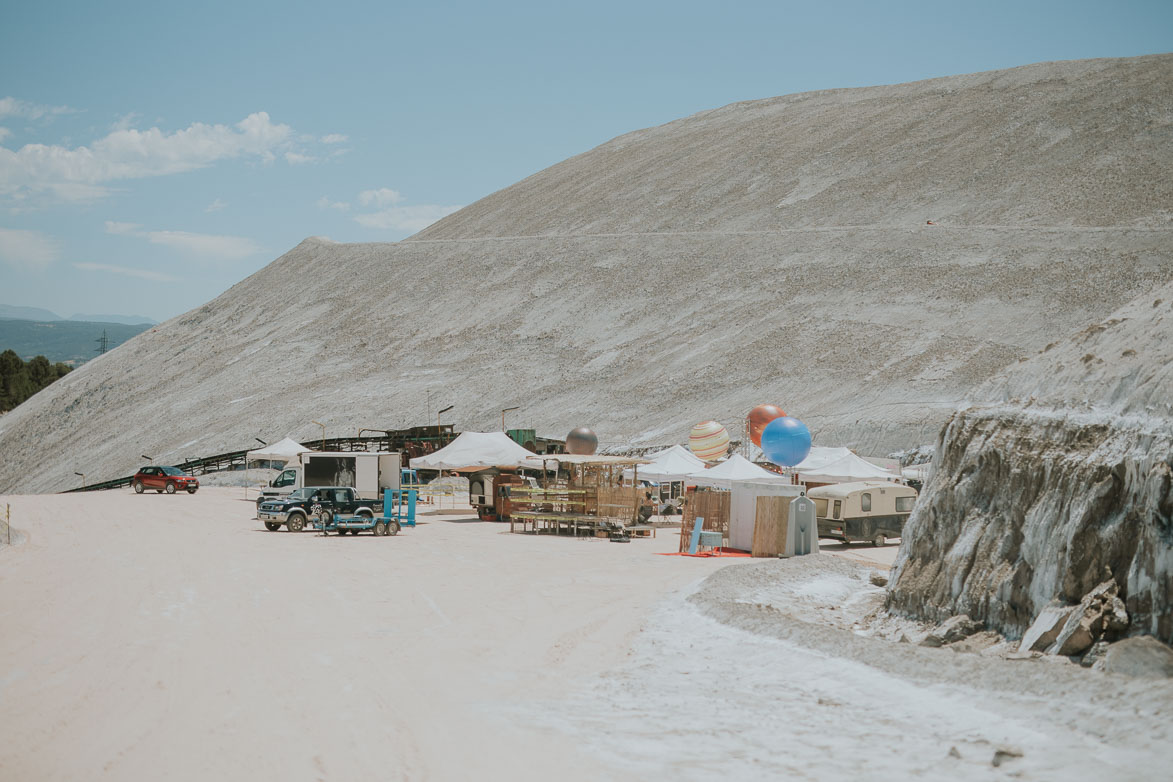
pixel 865 502
pixel 904 504
pixel 835 509
pixel 821 508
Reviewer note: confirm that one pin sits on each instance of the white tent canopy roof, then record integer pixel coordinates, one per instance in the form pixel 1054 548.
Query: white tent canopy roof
pixel 819 457
pixel 843 470
pixel 733 470
pixel 283 451
pixel 475 451
pixel 671 464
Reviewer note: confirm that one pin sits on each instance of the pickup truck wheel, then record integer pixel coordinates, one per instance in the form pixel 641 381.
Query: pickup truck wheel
pixel 879 540
pixel 393 528
pixel 138 487
pixel 272 526
pixel 170 488
pixel 366 515
pixel 296 523
pixel 380 528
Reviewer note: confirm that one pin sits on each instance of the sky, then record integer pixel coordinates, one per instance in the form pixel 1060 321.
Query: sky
pixel 152 155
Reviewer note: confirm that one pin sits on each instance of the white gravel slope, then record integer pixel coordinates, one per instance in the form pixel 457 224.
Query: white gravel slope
pixel 744 679
pixel 678 274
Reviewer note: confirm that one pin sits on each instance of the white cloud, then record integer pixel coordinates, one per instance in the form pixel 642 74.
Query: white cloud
pixel 406 218
pixel 129 229
pixel 384 196
pixel 215 206
pixel 334 138
pixel 296 158
pixel 11 107
pixel 126 121
pixel 126 271
pixel 134 154
pixel 4 133
pixel 326 203
pixel 75 192
pixel 27 248
pixel 202 246
pixel 227 248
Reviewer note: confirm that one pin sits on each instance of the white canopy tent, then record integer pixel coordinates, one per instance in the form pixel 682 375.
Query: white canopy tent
pixel 475 451
pixel 672 464
pixel 283 451
pixel 731 471
pixel 819 457
pixel 847 469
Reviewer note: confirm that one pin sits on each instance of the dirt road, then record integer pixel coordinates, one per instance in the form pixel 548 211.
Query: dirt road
pixel 172 637
pixel 162 636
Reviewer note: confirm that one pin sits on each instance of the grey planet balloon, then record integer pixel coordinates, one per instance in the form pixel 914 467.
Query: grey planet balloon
pixel 582 441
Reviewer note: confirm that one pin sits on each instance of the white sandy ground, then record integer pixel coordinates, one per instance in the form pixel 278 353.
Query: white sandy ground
pixel 159 637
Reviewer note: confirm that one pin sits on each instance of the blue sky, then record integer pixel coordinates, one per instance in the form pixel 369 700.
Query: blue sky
pixel 152 156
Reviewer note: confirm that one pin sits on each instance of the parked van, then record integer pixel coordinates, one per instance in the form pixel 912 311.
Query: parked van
pixel 865 510
pixel 368 473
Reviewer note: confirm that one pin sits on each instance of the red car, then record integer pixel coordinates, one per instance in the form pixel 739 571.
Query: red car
pixel 163 479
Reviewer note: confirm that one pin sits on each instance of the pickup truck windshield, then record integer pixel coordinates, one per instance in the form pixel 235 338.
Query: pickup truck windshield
pixel 301 494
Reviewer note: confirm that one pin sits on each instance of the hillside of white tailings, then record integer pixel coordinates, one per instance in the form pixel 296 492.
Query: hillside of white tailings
pixel 1066 143
pixel 1063 481
pixel 774 251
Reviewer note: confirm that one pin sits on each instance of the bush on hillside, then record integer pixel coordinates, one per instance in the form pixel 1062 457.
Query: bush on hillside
pixel 19 381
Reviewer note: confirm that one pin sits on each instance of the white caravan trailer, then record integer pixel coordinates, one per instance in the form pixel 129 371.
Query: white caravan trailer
pixel 865 510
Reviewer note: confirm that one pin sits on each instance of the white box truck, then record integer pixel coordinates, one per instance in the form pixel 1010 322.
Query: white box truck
pixel 369 474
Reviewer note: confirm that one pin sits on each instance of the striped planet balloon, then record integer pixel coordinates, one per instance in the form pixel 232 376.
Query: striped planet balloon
pixel 708 440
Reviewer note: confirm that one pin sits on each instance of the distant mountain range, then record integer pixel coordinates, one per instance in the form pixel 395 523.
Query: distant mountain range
pixel 13 312
pixel 71 341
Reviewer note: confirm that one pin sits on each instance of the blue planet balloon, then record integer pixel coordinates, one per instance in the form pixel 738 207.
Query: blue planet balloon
pixel 786 441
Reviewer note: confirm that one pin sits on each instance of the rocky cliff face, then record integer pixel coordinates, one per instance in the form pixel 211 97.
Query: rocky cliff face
pixel 1063 481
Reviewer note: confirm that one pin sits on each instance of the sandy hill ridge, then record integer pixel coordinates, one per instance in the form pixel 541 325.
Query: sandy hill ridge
pixel 768 251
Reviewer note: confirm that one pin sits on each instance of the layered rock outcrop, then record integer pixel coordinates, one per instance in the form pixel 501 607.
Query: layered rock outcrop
pixel 1063 479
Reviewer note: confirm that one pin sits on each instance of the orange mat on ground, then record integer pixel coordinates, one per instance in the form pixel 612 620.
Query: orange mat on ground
pixel 721 552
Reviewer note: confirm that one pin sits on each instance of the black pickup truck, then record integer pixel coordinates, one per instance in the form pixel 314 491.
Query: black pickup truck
pixel 320 503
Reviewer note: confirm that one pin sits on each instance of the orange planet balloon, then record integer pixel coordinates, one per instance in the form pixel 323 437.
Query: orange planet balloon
pixel 759 417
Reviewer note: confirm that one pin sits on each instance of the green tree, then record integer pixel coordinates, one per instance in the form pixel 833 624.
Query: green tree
pixel 15 383
pixel 19 381
pixel 41 372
